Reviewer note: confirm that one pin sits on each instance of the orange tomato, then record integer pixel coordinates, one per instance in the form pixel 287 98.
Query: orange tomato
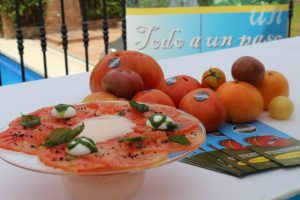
pixel 213 78
pixel 100 96
pixel 273 84
pixel 242 101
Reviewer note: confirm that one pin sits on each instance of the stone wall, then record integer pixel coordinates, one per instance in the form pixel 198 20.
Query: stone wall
pixel 53 15
pixel 9 27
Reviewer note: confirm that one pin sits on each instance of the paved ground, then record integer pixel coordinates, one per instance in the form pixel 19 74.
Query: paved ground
pixel 76 48
pixel 55 57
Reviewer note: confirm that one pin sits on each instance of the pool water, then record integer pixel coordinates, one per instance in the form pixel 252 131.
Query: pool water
pixel 296 197
pixel 10 71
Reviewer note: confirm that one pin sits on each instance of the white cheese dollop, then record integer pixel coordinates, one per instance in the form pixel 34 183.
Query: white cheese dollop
pixel 106 127
pixel 98 129
pixel 81 146
pixel 157 118
pixel 68 113
pixel 79 150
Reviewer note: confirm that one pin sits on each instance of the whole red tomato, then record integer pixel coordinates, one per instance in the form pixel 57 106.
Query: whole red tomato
pixel 142 64
pixel 204 104
pixel 178 86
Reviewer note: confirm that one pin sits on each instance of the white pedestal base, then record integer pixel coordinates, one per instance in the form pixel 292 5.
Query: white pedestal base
pixel 106 187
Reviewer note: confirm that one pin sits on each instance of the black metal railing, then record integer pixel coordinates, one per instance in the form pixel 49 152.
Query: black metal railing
pixel 43 37
pixel 105 26
pixel 20 39
pixel 291 9
pixel 85 32
pixel 64 33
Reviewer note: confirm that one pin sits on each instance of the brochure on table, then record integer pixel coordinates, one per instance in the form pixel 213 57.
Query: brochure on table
pixel 241 149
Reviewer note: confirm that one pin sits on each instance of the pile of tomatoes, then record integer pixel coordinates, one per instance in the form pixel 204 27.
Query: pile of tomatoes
pixel 126 75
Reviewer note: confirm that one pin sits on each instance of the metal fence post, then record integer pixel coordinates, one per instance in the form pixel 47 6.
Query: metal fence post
pixel 291 9
pixel 105 26
pixel 64 35
pixel 124 25
pixel 20 39
pixel 43 38
pixel 85 33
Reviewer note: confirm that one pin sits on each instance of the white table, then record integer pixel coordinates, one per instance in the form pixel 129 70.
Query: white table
pixel 175 181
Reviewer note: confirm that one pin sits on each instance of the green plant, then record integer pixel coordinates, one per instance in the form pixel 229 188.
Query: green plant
pixel 114 8
pixel 296 20
pixel 28 10
pixel 167 3
pixel 147 3
pixel 94 8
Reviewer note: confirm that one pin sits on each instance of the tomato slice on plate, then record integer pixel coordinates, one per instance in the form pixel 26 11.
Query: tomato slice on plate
pixel 17 139
pixel 112 155
pixel 166 110
pixel 56 157
pixel 120 156
pixel 159 140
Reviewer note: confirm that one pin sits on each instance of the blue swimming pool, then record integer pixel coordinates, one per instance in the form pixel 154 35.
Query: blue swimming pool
pixel 10 71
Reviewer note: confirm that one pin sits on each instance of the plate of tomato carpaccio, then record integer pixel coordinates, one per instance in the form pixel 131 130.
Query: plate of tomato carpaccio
pixel 127 137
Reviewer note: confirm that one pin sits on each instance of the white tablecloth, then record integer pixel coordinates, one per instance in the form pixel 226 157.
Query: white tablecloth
pixel 175 181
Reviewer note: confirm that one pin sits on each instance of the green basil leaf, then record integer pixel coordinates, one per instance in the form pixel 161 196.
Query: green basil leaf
pixel 72 143
pixel 132 139
pixel 30 120
pixel 62 135
pixel 157 123
pixel 62 107
pixel 171 126
pixel 180 139
pixel 139 106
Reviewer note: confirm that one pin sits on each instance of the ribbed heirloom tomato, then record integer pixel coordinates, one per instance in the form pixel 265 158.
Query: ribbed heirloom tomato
pixel 144 65
pixel 242 101
pixel 213 78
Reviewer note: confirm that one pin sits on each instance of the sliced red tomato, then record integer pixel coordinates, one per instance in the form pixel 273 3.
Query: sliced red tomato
pixel 112 154
pixel 159 141
pixel 109 109
pixel 162 109
pixel 121 156
pixel 195 137
pixel 56 157
pixel 18 140
pixel 185 125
